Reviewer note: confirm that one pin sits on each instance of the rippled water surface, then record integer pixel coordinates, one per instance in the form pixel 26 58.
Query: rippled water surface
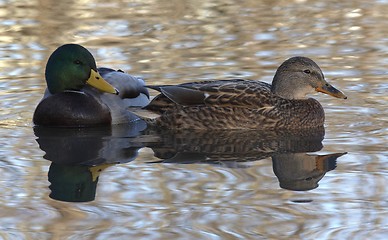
pixel 220 185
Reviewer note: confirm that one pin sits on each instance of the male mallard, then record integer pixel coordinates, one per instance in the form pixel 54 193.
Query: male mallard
pixel 246 104
pixel 74 94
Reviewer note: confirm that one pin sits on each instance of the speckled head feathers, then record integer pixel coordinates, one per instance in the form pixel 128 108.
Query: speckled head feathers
pixel 299 76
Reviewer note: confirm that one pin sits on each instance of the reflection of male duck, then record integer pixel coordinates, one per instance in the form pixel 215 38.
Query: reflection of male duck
pixel 89 146
pixel 79 155
pixel 74 183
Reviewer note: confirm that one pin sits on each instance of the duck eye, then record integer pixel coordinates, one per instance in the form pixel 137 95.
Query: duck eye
pixel 307 71
pixel 78 62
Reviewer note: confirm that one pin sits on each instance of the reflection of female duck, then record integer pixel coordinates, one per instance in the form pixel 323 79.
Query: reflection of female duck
pixel 193 146
pixel 295 169
pixel 301 171
pixel 70 101
pixel 243 104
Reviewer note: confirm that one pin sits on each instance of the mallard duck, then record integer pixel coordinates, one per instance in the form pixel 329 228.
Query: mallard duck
pixel 80 94
pixel 245 104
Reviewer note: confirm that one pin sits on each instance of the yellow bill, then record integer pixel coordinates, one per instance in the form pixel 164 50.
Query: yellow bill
pixel 95 80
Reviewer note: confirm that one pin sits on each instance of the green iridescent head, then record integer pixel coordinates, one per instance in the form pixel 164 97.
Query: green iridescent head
pixel 71 67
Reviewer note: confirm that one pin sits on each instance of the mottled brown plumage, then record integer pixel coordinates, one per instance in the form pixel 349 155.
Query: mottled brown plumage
pixel 246 104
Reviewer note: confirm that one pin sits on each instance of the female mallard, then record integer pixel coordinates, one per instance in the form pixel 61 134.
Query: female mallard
pixel 74 94
pixel 245 104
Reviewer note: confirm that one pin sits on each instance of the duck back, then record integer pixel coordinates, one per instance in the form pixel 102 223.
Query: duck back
pixel 231 104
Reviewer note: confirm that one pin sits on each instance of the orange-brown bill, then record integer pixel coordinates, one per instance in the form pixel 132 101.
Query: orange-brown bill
pixel 330 90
